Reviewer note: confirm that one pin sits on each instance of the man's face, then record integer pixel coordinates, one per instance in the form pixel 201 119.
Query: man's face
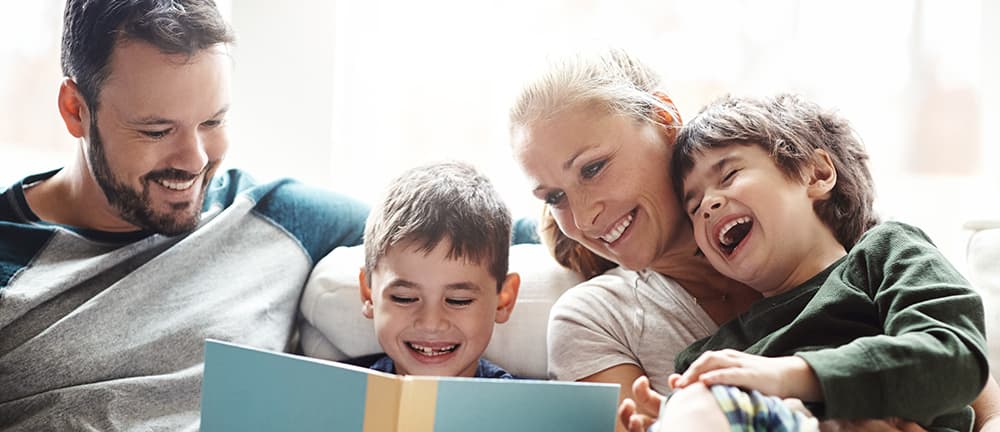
pixel 159 134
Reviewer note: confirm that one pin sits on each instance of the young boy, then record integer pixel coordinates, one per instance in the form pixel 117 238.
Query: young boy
pixel 435 277
pixel 857 324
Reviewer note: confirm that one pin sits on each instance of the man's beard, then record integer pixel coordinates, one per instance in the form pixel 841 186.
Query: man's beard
pixel 134 206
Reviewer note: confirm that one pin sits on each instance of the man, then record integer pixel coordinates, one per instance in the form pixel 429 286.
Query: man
pixel 115 268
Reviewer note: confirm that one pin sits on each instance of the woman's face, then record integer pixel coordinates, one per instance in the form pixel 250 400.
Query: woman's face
pixel 604 178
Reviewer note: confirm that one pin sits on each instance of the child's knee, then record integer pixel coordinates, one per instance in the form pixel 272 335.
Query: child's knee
pixel 693 408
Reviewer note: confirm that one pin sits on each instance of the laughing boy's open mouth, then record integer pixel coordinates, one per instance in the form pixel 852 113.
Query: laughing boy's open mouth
pixel 733 233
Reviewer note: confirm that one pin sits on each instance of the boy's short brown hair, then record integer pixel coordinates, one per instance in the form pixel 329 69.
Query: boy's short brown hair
pixel 790 129
pixel 442 201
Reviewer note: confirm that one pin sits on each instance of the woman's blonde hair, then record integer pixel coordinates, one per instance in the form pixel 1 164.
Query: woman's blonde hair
pixel 612 79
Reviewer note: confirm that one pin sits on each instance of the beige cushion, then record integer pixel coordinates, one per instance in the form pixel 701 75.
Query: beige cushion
pixel 334 328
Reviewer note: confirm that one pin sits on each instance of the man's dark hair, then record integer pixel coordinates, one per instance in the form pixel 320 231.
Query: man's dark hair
pixel 92 28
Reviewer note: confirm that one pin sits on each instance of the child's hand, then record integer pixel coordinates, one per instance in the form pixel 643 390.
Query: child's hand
pixel 786 377
pixel 646 399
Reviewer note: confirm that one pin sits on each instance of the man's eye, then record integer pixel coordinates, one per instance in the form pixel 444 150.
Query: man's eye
pixel 402 300
pixel 555 198
pixel 591 170
pixel 459 302
pixel 157 134
pixel 211 123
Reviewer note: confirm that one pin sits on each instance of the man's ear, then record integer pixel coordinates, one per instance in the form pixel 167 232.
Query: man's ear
pixel 367 307
pixel 73 108
pixel 667 116
pixel 507 297
pixel 822 176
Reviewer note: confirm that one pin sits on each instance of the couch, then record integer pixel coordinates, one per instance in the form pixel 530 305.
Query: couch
pixel 983 262
pixel 334 328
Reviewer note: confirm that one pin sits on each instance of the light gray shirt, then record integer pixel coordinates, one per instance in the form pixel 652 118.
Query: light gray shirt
pixel 623 317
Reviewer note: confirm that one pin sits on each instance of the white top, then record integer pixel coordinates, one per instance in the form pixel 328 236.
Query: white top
pixel 623 317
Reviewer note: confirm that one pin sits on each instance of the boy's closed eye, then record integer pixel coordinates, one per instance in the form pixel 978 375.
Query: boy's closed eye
pixel 402 299
pixel 459 301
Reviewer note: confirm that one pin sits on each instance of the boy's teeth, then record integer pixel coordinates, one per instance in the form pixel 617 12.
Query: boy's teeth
pixel 176 185
pixel 723 239
pixel 615 233
pixel 428 351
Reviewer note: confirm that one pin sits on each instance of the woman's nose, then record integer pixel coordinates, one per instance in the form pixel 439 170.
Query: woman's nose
pixel 586 214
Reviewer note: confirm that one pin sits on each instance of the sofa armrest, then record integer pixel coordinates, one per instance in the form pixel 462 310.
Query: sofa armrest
pixel 983 259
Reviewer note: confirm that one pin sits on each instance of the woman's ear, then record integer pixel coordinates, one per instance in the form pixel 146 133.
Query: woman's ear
pixel 822 176
pixel 507 297
pixel 671 116
pixel 73 108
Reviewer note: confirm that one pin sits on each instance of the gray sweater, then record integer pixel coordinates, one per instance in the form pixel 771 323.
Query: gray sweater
pixel 105 331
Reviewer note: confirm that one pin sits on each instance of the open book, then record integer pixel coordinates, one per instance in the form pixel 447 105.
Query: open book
pixel 247 389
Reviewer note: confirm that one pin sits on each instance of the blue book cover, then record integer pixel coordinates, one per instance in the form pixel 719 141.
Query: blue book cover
pixel 247 389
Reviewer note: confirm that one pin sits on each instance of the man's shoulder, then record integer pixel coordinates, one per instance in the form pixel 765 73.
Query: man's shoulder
pixel 318 218
pixel 277 195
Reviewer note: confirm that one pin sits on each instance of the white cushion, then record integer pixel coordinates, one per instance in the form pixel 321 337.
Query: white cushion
pixel 334 328
pixel 983 258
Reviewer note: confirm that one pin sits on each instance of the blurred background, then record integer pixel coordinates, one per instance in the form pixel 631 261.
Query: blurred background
pixel 346 94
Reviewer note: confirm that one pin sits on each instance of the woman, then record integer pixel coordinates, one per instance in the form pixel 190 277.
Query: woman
pixel 593 135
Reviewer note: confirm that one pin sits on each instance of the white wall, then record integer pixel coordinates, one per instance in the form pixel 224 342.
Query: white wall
pixel 347 93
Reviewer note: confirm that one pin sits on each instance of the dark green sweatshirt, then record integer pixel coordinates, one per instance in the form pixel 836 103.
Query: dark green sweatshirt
pixel 891 330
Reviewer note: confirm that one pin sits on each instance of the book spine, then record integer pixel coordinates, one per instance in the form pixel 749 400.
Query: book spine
pixel 382 396
pixel 417 404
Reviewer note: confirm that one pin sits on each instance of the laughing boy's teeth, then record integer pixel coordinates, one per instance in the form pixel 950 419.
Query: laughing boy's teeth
pixel 176 185
pixel 428 351
pixel 617 231
pixel 725 229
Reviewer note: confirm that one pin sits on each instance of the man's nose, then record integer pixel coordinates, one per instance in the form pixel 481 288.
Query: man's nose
pixel 191 154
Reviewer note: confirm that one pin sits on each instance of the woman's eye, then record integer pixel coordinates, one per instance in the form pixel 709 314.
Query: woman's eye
pixel 156 134
pixel 402 300
pixel 211 123
pixel 555 198
pixel 591 170
pixel 459 302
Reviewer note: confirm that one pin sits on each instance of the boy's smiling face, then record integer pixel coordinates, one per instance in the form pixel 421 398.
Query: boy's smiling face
pixel 754 223
pixel 434 315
